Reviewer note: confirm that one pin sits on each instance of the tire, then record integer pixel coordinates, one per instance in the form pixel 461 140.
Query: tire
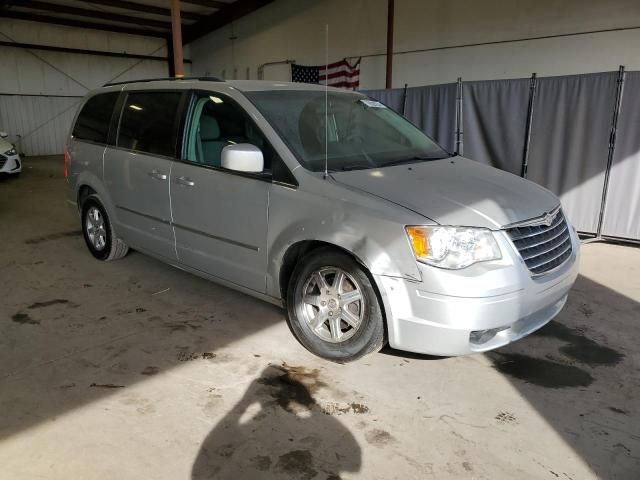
pixel 98 232
pixel 324 322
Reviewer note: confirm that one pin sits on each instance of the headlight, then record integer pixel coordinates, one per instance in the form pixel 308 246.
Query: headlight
pixel 10 152
pixel 453 247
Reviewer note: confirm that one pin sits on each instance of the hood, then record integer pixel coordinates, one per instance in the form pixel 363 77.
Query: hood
pixel 455 191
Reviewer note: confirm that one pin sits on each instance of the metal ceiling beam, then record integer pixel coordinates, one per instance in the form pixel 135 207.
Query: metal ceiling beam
pixel 140 7
pixel 230 13
pixel 208 3
pixel 92 14
pixel 84 51
pixel 69 22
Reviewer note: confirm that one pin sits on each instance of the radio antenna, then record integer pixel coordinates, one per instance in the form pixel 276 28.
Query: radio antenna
pixel 326 101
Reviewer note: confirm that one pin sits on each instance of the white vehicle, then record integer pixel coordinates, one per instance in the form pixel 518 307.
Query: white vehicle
pixel 9 159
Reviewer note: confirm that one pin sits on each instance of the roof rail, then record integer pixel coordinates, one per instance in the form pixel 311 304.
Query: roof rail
pixel 202 79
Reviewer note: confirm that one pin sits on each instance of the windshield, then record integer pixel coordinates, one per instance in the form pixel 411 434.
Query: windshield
pixel 361 133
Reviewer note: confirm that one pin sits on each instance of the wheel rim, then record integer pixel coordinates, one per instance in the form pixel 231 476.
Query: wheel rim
pixel 332 304
pixel 95 228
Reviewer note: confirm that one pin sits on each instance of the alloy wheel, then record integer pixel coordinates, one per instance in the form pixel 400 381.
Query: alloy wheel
pixel 96 229
pixel 332 304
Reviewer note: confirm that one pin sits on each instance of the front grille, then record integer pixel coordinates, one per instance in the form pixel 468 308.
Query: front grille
pixel 543 245
pixel 3 160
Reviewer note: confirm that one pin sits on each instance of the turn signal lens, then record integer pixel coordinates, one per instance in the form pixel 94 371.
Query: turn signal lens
pixel 418 239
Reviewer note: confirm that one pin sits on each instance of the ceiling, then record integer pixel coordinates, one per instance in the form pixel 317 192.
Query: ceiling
pixel 139 17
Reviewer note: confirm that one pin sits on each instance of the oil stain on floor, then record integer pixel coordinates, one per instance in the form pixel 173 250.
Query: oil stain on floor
pixel 24 319
pixel 52 236
pixel 294 387
pixel 48 303
pixel 296 464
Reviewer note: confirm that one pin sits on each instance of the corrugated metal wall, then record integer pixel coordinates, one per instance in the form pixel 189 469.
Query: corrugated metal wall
pixel 37 125
pixel 40 90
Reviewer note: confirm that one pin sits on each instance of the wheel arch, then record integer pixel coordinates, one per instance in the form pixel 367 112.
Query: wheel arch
pixel 298 250
pixel 89 184
pixel 83 192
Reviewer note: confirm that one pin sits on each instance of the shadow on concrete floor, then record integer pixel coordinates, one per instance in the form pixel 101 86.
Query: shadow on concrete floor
pixel 278 430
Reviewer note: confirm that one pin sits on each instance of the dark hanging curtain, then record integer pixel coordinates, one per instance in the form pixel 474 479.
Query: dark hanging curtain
pixel 494 116
pixel 570 142
pixel 433 110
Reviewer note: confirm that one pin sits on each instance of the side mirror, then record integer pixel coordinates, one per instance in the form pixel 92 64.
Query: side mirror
pixel 4 134
pixel 242 157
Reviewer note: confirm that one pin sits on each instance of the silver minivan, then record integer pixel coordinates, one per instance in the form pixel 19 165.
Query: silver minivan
pixel 326 202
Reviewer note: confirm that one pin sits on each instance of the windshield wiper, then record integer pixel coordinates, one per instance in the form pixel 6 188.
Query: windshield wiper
pixel 414 159
pixel 346 168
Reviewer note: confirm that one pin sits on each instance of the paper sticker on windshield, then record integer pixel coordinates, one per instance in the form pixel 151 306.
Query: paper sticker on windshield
pixel 373 103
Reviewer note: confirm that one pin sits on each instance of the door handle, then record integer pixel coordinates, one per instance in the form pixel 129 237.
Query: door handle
pixel 157 175
pixel 186 181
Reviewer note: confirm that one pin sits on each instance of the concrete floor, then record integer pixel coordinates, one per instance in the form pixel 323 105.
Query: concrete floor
pixel 134 369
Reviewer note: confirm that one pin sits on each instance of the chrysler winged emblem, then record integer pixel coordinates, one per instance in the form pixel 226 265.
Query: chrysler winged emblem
pixel 549 218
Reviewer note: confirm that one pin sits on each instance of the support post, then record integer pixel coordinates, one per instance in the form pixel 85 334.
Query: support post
pixel 459 132
pixel 390 21
pixel 612 148
pixel 176 35
pixel 404 99
pixel 533 85
pixel 170 57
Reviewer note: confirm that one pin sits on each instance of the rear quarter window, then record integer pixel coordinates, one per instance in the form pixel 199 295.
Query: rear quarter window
pixel 95 117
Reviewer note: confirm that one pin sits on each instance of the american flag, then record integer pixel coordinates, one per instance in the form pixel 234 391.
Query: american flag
pixel 340 74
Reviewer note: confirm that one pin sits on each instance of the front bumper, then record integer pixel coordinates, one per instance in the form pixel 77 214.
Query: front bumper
pixel 10 164
pixel 476 309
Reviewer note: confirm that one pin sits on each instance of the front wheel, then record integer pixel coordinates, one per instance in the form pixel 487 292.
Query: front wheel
pixel 332 307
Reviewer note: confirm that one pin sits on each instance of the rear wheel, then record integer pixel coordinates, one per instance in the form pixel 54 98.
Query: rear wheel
pixel 101 239
pixel 333 309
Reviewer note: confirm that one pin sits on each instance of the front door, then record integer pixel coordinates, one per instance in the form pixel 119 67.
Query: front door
pixel 219 216
pixel 138 168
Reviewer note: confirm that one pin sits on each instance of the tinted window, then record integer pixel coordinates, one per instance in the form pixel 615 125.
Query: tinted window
pixel 95 117
pixel 148 122
pixel 217 121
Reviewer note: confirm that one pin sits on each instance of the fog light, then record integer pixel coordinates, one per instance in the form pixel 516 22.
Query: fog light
pixel 478 337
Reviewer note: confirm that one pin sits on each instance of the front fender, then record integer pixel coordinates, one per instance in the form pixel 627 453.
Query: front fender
pixel 371 230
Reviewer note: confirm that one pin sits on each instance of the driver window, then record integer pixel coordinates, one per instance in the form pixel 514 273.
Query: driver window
pixel 215 122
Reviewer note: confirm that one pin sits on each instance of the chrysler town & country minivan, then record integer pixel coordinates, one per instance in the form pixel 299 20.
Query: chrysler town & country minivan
pixel 326 202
